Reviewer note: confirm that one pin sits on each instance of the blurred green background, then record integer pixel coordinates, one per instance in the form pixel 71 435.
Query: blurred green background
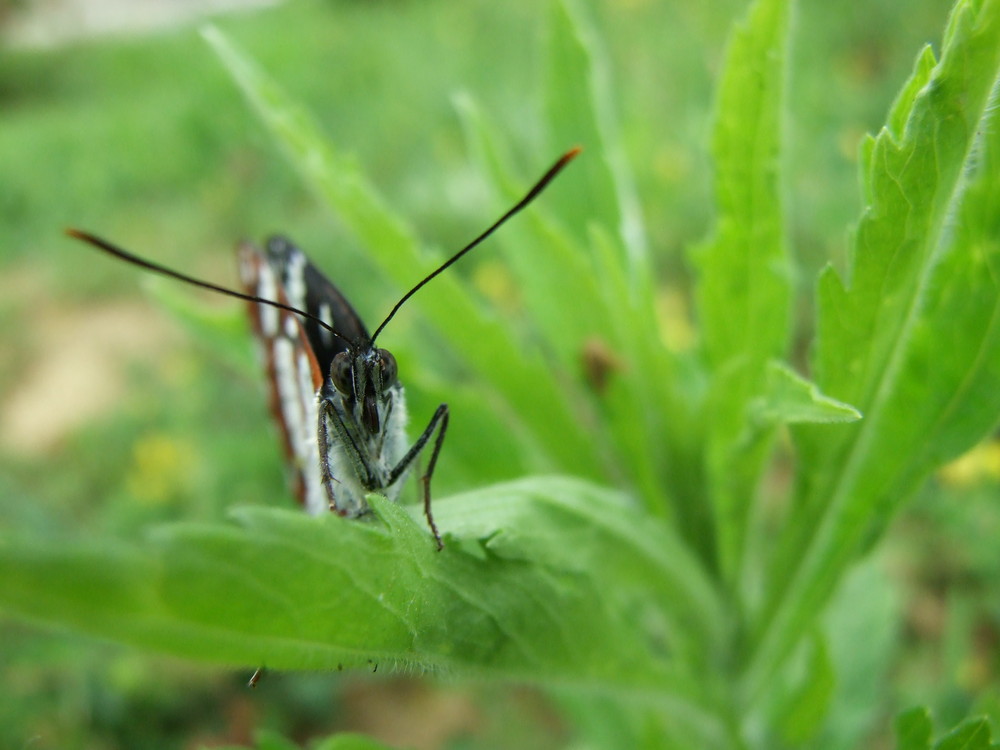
pixel 112 418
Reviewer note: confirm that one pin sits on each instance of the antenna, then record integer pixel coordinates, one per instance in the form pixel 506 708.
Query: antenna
pixel 125 255
pixel 530 196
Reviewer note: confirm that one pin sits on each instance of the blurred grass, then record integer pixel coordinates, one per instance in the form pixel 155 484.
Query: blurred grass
pixel 146 140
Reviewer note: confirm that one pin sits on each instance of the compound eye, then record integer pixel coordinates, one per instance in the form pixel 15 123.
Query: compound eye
pixel 387 363
pixel 340 372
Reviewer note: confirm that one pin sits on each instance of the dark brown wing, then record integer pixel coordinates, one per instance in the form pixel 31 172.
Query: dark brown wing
pixel 308 289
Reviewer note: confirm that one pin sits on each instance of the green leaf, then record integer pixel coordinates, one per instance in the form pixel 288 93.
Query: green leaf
pixel 791 399
pixel 744 286
pixel 744 281
pixel 540 414
pixel 913 729
pixel 861 627
pixel 804 712
pixel 579 110
pixel 973 734
pixel 552 581
pixel 911 338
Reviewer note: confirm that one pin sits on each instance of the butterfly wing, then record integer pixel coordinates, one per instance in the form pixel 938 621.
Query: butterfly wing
pixel 297 354
pixel 308 289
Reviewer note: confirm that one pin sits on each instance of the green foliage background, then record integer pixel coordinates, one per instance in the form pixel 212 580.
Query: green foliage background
pixel 676 562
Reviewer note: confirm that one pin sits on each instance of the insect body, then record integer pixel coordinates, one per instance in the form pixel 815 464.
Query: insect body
pixel 334 394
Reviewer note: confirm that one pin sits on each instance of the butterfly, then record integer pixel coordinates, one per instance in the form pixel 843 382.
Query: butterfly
pixel 335 395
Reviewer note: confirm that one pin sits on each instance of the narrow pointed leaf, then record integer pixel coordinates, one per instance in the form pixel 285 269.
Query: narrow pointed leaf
pixel 791 399
pixel 579 109
pixel 744 288
pixel 911 336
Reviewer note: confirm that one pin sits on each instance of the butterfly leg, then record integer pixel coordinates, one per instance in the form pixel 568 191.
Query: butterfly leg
pixel 439 423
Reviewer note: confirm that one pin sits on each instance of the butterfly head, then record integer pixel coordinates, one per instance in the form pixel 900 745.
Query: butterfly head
pixel 364 377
